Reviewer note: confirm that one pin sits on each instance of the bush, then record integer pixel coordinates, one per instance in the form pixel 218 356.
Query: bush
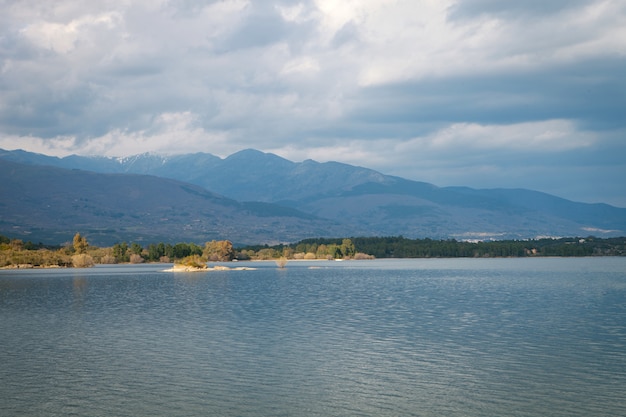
pixel 361 255
pixel 194 261
pixel 135 259
pixel 108 259
pixel 82 261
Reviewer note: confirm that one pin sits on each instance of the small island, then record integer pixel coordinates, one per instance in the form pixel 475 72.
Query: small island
pixel 197 263
pixel 205 268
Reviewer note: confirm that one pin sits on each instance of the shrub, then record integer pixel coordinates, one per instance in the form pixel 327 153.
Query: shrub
pixel 108 259
pixel 135 258
pixel 82 261
pixel 194 261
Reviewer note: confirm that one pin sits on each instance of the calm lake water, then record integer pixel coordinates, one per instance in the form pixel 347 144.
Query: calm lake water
pixel 437 337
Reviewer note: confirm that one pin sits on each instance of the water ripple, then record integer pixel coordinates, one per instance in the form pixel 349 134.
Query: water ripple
pixel 409 338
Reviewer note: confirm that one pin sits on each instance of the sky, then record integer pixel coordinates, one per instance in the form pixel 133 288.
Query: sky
pixel 479 93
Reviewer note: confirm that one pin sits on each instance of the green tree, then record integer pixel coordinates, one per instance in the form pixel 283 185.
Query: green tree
pixel 169 251
pixel 321 252
pixel 120 252
pixel 333 251
pixel 135 248
pixel 347 248
pixel 153 252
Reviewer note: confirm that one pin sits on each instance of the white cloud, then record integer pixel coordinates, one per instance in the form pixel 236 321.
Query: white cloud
pixel 301 65
pixel 544 136
pixel 170 133
pixel 411 40
pixel 58 146
pixel 62 38
pixel 465 139
pixel 295 13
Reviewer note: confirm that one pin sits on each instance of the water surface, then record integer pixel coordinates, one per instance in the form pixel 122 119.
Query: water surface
pixel 453 337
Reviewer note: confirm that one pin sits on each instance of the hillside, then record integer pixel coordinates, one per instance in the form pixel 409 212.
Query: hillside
pixel 43 203
pixel 364 201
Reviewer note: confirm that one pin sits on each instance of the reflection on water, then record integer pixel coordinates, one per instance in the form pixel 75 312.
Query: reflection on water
pixel 79 284
pixel 515 337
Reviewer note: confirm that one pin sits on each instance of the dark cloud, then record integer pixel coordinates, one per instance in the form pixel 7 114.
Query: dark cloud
pixel 465 9
pixel 189 8
pixel 592 92
pixel 262 25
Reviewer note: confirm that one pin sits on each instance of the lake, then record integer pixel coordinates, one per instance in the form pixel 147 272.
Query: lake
pixel 420 337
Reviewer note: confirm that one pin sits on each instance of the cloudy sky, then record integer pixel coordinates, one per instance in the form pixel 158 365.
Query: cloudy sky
pixel 483 93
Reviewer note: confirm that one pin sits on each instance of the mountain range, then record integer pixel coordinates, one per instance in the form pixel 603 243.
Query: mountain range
pixel 253 197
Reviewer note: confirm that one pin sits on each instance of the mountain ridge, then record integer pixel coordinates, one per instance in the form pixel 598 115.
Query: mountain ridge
pixel 362 201
pixel 50 204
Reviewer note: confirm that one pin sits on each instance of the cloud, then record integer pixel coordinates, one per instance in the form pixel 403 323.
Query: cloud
pixel 167 132
pixel 301 65
pixel 443 91
pixel 62 38
pixel 474 8
pixel 548 136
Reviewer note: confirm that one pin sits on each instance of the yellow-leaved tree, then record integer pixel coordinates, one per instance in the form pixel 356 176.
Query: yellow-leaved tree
pixel 80 244
pixel 81 259
pixel 218 251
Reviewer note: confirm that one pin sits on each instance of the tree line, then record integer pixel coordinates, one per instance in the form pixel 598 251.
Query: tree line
pixel 79 253
pixel 401 247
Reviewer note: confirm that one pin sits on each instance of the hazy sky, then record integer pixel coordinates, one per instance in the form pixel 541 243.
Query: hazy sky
pixel 483 93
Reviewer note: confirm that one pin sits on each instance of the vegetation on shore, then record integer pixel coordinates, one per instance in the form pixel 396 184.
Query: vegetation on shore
pixel 15 253
pixel 401 247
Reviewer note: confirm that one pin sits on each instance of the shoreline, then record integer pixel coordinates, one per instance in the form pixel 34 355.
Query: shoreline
pixel 182 268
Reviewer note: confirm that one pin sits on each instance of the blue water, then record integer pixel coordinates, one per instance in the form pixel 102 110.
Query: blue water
pixel 437 337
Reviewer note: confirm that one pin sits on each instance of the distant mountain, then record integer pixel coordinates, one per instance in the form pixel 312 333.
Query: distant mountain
pixel 248 175
pixel 364 201
pixel 49 204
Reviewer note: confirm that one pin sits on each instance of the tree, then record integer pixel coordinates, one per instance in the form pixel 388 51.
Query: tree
pixel 347 248
pixel 221 251
pixel 119 252
pixel 266 253
pixel 135 248
pixel 333 251
pixel 154 252
pixel 80 244
pixel 288 252
pixel 322 252
pixel 17 244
